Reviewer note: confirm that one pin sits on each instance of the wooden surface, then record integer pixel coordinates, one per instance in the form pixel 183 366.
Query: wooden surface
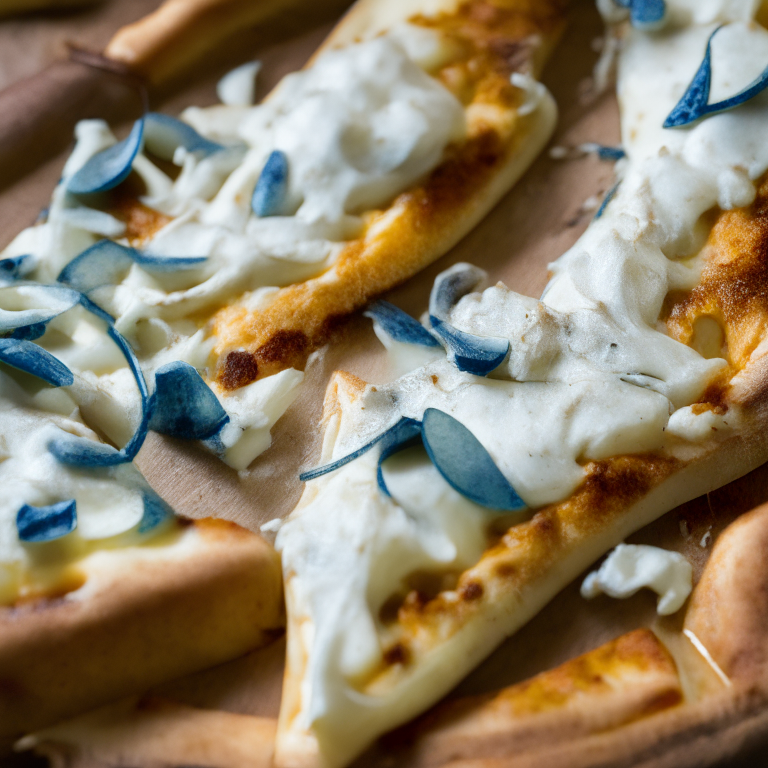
pixel 532 226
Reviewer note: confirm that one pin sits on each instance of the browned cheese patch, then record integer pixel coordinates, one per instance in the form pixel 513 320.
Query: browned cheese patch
pixel 141 222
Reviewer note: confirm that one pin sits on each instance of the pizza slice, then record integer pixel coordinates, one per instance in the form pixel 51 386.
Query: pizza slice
pixel 452 503
pixel 623 681
pixel 103 590
pixel 232 241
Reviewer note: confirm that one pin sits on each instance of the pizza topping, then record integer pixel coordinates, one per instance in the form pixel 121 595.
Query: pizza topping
pixel 27 356
pixel 602 151
pixel 465 464
pixel 183 405
pixel 16 267
pixel 57 476
pixel 28 308
pixel 107 262
pixel 473 353
pixel 408 343
pixel 38 524
pixel 694 103
pixel 355 129
pixel 271 190
pixel 453 449
pixel 398 325
pixel 646 15
pixel 44 500
pixel 109 167
pixel 632 567
pixel 164 135
pixel 609 195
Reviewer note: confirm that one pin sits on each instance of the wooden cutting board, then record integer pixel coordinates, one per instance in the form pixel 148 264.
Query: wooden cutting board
pixel 534 224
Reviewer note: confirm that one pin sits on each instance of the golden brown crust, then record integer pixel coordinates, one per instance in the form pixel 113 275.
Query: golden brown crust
pixel 426 221
pixel 732 294
pixel 624 680
pixel 201 595
pixel 153 733
pixel 729 607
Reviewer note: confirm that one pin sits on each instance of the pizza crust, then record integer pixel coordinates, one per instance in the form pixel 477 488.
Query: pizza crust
pixel 204 594
pixel 729 608
pixel 622 704
pixel 624 680
pixel 8 7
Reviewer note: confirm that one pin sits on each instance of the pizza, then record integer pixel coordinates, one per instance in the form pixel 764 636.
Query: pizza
pixel 452 504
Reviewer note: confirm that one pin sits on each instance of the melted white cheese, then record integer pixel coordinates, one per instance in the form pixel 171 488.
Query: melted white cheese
pixel 109 499
pixel 359 126
pixel 631 567
pixel 591 372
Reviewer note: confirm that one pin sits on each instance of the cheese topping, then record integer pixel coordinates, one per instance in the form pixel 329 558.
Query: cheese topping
pixel 359 126
pixel 631 567
pixel 591 374
pixel 110 500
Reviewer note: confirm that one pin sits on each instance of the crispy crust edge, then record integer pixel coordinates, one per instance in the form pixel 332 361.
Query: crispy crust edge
pixel 144 615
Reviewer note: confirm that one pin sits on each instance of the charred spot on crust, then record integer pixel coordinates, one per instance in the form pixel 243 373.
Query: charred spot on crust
pixel 284 349
pixel 471 591
pixel 397 654
pixel 240 368
pixel 332 324
pixel 505 570
pixel 613 480
pixel 283 346
pixel 514 54
pixel 713 399
pixel 663 700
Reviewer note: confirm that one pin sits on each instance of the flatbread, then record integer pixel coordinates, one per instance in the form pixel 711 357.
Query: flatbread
pixel 89 583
